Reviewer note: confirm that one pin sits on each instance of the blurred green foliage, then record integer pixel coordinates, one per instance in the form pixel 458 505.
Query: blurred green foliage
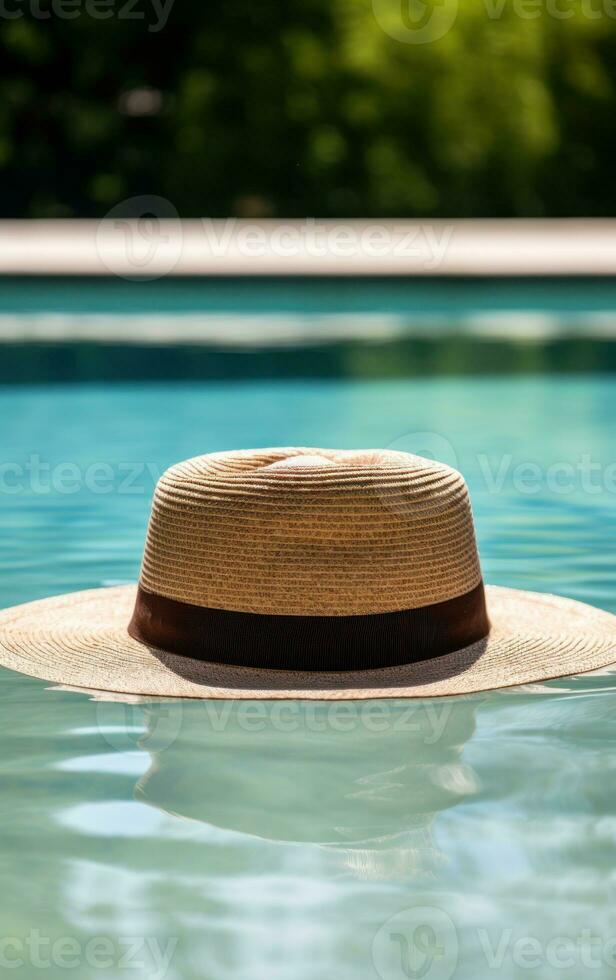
pixel 308 107
pixel 451 355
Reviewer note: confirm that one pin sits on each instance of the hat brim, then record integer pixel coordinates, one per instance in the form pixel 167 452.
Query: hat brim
pixel 81 640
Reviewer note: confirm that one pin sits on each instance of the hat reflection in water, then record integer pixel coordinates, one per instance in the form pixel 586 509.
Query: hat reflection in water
pixel 259 769
pixel 313 574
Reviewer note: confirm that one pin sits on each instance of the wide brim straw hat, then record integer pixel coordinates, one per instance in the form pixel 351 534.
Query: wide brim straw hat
pixel 307 573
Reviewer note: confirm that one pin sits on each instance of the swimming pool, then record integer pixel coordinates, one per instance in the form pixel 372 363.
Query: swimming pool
pixel 456 838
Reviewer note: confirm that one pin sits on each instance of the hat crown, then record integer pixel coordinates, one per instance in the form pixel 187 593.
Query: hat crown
pixel 317 532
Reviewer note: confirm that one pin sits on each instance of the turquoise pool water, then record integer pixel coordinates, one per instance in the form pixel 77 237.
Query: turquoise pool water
pixel 463 838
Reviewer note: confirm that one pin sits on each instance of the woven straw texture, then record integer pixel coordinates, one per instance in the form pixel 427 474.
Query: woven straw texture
pixel 81 640
pixel 306 532
pixel 310 532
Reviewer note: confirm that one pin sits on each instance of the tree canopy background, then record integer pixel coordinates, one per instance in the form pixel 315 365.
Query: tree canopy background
pixel 308 107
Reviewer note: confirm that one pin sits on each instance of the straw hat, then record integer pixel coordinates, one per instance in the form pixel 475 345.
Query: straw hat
pixel 307 573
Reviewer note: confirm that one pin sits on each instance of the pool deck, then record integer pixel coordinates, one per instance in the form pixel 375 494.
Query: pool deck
pixel 153 247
